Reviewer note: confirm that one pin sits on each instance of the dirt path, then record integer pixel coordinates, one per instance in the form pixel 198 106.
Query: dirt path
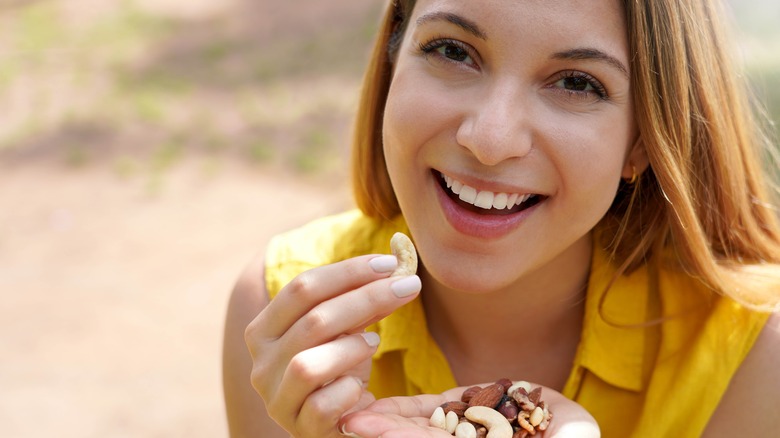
pixel 113 296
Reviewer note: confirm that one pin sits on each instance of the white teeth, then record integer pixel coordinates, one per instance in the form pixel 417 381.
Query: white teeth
pixel 525 198
pixel 456 186
pixel 499 201
pixel 484 199
pixel 468 194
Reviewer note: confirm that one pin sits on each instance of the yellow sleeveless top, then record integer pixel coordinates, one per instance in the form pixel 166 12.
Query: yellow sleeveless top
pixel 663 379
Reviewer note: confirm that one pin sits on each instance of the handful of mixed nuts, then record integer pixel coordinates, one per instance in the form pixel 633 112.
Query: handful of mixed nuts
pixel 505 409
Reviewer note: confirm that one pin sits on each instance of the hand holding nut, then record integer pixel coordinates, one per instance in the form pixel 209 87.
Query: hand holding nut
pixel 403 249
pixel 411 416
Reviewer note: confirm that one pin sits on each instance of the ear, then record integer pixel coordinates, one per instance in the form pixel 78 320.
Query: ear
pixel 636 160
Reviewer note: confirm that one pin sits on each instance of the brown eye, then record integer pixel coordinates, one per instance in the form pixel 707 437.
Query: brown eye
pixel 580 84
pixel 577 84
pixel 449 50
pixel 454 53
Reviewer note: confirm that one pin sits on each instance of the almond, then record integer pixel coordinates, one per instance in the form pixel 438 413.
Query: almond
pixel 489 396
pixel 458 407
pixel 470 392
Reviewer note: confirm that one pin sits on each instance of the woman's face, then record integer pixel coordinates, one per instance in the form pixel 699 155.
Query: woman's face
pixel 507 128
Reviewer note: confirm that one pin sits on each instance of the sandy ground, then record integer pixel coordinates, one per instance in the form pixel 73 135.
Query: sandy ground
pixel 113 297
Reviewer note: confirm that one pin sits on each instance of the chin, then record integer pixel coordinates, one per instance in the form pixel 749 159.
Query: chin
pixel 472 280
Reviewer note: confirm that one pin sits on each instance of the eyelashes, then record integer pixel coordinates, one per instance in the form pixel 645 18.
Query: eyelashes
pixel 449 50
pixel 452 52
pixel 577 82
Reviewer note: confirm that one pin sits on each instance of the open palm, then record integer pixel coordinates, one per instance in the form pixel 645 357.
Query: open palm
pixel 408 417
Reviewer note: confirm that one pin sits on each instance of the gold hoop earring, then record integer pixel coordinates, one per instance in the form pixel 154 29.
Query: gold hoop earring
pixel 634 175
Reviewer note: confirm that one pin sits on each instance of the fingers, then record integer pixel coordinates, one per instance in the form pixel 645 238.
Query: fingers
pixel 317 285
pixel 399 416
pixel 323 408
pixel 351 311
pixel 368 424
pixel 299 348
pixel 311 369
pixel 326 406
pixel 418 406
pixel 310 355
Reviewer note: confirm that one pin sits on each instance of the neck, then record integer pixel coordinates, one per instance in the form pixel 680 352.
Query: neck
pixel 539 318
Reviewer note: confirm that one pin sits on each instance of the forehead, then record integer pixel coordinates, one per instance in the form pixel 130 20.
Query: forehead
pixel 559 22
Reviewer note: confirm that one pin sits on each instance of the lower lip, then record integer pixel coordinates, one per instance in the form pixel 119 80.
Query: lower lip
pixel 484 226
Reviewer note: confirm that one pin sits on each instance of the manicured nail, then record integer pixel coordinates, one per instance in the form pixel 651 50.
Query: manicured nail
pixel 361 383
pixel 344 432
pixel 406 286
pixel 383 263
pixel 371 338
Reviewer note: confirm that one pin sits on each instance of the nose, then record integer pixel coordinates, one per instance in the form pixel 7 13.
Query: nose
pixel 496 126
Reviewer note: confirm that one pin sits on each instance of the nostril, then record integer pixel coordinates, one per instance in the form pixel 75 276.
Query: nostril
pixel 492 144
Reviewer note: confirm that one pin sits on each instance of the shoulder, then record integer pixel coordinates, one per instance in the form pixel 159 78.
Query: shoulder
pixel 249 292
pixel 749 406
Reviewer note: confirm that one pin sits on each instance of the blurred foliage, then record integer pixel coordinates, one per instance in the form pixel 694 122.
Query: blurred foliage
pixel 759 42
pixel 141 90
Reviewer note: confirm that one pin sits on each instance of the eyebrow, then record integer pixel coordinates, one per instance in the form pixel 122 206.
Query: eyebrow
pixel 464 23
pixel 591 54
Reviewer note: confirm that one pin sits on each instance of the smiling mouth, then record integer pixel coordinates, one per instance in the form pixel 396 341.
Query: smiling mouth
pixel 485 201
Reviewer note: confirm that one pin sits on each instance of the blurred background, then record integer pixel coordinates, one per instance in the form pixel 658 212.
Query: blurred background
pixel 148 150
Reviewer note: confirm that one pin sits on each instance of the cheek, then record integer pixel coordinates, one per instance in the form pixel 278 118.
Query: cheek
pixel 590 160
pixel 416 111
pixel 395 135
pixel 403 133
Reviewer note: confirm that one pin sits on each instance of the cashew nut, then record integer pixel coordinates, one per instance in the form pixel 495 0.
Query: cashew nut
pixel 403 248
pixel 497 425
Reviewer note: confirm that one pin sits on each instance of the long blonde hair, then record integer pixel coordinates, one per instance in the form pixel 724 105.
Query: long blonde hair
pixel 705 194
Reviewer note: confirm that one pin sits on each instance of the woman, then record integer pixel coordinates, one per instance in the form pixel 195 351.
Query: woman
pixel 582 182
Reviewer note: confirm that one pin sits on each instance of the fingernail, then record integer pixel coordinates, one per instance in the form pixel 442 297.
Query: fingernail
pixel 371 338
pixel 406 286
pixel 344 432
pixel 383 263
pixel 361 383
